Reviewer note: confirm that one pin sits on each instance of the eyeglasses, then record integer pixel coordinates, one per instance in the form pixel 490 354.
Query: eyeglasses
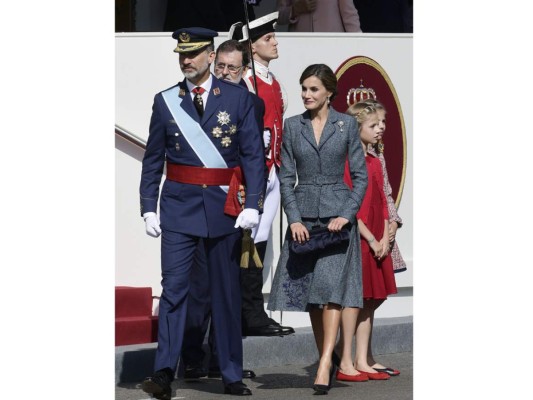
pixel 231 68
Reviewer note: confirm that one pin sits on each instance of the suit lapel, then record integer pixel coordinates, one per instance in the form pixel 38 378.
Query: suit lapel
pixel 213 101
pixel 329 128
pixel 307 130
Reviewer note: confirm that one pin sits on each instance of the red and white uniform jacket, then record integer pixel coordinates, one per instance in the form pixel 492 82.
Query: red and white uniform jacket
pixel 269 89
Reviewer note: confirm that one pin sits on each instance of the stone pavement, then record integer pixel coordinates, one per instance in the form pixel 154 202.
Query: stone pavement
pixel 292 382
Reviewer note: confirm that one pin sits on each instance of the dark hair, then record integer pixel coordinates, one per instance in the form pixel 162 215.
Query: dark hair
pixel 233 45
pixel 326 76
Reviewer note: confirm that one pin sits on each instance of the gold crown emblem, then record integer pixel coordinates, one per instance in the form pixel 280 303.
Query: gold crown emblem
pixel 184 37
pixel 360 94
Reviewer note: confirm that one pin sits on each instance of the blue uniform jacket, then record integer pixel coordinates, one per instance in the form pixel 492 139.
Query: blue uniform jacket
pixel 193 209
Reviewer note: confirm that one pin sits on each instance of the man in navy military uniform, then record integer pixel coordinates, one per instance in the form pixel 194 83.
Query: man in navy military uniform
pixel 204 131
pixel 231 62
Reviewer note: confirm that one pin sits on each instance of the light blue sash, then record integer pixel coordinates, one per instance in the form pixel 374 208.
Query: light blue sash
pixel 193 133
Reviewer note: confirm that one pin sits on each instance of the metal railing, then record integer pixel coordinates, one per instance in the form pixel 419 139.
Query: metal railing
pixel 130 137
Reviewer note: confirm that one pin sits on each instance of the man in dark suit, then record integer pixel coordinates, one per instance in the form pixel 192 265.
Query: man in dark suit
pixel 204 131
pixel 231 62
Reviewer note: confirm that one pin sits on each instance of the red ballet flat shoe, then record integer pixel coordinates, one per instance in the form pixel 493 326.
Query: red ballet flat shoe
pixel 361 377
pixel 376 376
pixel 387 370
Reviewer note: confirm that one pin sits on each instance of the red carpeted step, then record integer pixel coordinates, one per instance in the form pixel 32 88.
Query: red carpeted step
pixel 135 330
pixel 134 323
pixel 133 301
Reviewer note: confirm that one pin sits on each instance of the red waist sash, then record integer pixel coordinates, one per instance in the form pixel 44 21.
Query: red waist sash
pixel 212 177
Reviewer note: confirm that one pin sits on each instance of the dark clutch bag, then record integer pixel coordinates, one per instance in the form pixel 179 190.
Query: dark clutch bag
pixel 319 239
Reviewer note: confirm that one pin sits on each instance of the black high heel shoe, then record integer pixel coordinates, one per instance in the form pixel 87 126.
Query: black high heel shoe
pixel 324 389
pixel 320 389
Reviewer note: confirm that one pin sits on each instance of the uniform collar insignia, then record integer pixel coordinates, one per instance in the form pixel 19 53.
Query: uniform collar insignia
pixel 216 91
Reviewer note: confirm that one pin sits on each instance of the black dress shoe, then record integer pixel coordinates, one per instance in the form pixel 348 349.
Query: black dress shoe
pixel 158 384
pixel 237 389
pixel 246 374
pixel 265 330
pixel 286 330
pixel 193 373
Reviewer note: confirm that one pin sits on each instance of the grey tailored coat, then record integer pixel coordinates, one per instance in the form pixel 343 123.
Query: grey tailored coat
pixel 313 191
pixel 312 176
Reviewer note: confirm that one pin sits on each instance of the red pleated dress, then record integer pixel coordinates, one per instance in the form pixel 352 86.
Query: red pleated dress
pixel 378 276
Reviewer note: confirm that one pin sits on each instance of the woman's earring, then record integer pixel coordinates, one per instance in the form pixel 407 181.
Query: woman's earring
pixel 328 101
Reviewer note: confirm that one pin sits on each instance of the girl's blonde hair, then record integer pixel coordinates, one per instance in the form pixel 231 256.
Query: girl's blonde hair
pixel 375 103
pixel 361 111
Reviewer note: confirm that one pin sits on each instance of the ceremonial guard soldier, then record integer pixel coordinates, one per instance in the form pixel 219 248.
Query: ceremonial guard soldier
pixel 260 80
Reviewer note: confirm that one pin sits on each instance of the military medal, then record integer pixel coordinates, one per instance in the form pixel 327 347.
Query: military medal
pixel 223 118
pixel 233 129
pixel 217 132
pixel 226 141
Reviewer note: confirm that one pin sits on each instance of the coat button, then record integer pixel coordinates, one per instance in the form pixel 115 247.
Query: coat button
pixel 204 186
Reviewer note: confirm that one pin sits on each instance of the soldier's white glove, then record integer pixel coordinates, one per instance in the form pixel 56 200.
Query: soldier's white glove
pixel 152 224
pixel 266 138
pixel 247 219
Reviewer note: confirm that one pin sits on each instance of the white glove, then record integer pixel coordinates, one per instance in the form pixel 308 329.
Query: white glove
pixel 152 224
pixel 266 138
pixel 247 219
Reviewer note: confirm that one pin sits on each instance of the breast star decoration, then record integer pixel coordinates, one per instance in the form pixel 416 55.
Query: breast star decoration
pixel 226 141
pixel 217 132
pixel 223 118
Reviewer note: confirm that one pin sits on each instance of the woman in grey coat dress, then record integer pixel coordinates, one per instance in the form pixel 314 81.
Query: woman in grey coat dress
pixel 316 145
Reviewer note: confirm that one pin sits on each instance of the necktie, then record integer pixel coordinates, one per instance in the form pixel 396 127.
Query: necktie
pixel 198 102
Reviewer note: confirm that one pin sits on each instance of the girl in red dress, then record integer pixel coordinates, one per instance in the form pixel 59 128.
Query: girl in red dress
pixel 378 274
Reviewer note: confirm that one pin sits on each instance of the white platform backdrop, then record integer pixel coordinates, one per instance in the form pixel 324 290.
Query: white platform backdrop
pixel 146 64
